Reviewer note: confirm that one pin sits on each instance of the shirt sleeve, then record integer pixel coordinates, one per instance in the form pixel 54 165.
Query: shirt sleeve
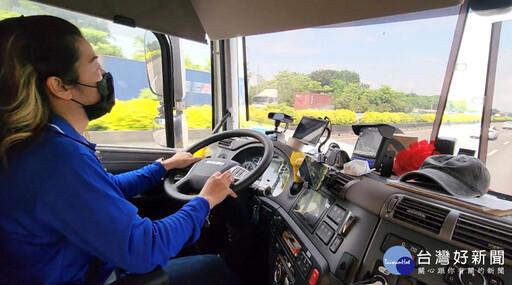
pixel 137 181
pixel 86 206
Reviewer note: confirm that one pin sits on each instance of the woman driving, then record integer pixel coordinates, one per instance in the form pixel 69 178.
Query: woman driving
pixel 59 208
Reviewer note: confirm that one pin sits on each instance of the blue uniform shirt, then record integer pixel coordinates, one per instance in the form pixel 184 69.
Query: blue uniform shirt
pixel 59 208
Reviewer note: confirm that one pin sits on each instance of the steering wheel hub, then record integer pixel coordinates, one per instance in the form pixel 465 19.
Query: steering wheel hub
pixel 195 179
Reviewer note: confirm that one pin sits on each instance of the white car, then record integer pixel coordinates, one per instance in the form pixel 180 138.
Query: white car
pixel 493 133
pixel 507 126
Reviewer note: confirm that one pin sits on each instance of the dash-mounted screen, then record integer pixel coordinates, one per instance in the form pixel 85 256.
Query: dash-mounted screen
pixel 310 207
pixel 310 130
pixel 368 142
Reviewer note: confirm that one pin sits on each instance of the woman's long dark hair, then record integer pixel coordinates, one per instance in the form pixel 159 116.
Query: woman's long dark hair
pixel 32 49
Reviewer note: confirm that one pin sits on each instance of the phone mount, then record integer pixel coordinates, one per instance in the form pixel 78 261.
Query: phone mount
pixel 275 134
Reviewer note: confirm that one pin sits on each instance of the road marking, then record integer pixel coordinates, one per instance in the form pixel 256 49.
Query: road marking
pixel 492 152
pixel 507 142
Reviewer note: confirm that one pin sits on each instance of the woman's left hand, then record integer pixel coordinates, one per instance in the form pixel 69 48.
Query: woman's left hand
pixel 180 159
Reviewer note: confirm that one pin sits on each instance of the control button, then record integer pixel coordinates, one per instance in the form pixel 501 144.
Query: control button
pixel 493 280
pixel 451 279
pixel 336 213
pixel 392 240
pixel 392 204
pixel 314 276
pixel 278 273
pixel 471 279
pixel 299 262
pixel 414 249
pixel 383 270
pixel 325 232
pixel 345 266
pixel 303 263
pixel 336 243
pixel 306 267
pixel 238 172
pixel 346 226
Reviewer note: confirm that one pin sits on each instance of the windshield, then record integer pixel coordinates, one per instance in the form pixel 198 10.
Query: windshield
pixel 381 72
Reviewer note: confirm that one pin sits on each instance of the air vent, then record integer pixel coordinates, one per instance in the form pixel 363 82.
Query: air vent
pixel 423 215
pixel 338 180
pixel 483 235
pixel 226 143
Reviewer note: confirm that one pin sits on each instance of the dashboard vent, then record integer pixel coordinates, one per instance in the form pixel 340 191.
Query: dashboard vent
pixel 339 180
pixel 423 215
pixel 483 235
pixel 226 143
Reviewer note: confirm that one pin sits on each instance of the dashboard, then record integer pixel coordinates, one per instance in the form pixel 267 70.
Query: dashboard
pixel 275 177
pixel 340 233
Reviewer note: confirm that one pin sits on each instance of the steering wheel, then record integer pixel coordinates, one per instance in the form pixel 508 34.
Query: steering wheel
pixel 185 189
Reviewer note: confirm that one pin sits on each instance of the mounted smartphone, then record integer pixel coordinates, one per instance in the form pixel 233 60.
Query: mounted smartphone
pixel 312 172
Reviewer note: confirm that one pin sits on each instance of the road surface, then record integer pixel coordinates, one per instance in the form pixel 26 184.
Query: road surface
pixel 499 153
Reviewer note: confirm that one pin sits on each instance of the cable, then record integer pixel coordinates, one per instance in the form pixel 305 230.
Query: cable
pixel 328 128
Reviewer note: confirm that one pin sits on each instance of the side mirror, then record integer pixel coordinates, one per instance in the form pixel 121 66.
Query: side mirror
pixel 278 118
pixel 281 117
pixel 153 58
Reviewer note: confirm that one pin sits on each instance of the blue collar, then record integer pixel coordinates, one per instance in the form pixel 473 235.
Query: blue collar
pixel 61 126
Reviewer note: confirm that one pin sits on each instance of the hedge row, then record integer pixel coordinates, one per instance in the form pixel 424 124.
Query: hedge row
pixel 402 118
pixel 337 117
pixel 135 114
pixel 138 114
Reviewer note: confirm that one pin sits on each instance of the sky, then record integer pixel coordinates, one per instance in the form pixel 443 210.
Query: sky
pixel 408 56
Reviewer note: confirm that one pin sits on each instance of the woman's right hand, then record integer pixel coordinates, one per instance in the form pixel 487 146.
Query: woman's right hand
pixel 217 188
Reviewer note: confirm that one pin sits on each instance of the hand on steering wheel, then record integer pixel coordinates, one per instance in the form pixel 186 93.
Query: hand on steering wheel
pixel 217 188
pixel 180 159
pixel 190 185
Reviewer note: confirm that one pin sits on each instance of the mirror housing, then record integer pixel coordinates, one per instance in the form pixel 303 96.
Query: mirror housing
pixel 153 59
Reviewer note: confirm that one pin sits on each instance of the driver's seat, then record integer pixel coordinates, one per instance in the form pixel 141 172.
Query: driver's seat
pixel 155 277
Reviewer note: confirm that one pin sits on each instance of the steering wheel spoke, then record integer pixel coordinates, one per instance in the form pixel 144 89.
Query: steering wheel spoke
pixel 192 183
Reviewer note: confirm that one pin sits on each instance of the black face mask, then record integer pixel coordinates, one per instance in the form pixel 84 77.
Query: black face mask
pixel 107 100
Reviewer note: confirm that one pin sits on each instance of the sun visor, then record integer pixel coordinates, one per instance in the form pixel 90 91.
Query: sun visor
pixel 231 18
pixel 221 19
pixel 175 17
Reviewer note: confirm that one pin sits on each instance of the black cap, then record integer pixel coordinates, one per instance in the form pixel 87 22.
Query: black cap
pixel 460 175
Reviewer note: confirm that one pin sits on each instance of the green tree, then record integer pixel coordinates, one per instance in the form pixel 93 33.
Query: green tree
pixel 138 44
pixel 99 41
pixel 207 64
pixel 349 76
pixel 459 106
pixel 261 84
pixel 324 76
pixel 94 30
pixel 289 83
pixel 327 76
pixel 147 94
pixel 189 64
pixel 78 19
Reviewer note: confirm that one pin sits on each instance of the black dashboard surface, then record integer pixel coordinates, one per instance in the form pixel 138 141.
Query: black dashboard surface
pixel 340 233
